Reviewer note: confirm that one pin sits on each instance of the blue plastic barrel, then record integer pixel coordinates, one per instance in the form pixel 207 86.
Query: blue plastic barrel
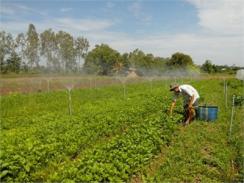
pixel 207 113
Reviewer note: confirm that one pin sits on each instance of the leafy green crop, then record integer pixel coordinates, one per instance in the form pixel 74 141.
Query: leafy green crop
pixel 38 135
pixel 108 138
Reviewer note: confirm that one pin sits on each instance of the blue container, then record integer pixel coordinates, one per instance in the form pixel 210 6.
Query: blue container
pixel 207 113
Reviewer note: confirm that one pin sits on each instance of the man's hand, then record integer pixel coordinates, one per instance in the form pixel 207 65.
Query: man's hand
pixel 170 112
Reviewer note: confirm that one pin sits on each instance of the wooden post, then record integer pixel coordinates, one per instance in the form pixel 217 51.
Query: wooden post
pixel 226 95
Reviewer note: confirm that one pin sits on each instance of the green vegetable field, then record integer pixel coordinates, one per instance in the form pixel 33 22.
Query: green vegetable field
pixel 109 137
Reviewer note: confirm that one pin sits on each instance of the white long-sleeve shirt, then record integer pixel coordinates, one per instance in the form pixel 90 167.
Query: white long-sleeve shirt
pixel 187 91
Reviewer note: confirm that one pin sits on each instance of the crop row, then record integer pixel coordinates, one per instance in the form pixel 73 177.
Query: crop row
pixel 49 137
pixel 123 156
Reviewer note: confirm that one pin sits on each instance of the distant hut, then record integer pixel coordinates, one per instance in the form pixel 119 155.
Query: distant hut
pixel 132 73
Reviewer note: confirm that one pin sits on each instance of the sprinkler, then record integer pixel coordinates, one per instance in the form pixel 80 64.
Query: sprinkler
pixel 39 85
pixel 48 84
pixel 69 88
pixel 95 79
pixel 90 82
pixel 232 115
pixel 95 82
pixel 123 81
pixel 225 93
pixel 150 79
pixel 31 85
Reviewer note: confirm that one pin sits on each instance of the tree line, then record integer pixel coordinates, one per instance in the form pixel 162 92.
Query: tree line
pixel 60 52
pixel 209 67
pixel 48 51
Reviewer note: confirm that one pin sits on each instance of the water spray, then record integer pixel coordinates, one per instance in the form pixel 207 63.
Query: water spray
pixel 150 79
pixel 240 74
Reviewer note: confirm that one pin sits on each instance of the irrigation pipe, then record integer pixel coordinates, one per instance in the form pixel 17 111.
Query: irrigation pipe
pixel 48 85
pixel 124 90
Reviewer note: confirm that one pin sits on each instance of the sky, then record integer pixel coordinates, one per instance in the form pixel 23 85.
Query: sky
pixel 204 29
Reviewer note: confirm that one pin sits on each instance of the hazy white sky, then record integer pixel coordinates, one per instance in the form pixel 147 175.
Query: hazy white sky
pixel 204 29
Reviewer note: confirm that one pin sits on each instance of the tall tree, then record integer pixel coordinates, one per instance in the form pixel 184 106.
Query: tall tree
pixel 32 46
pixel 49 49
pixel 81 48
pixel 141 62
pixel 212 68
pixel 136 59
pixel 101 60
pixel 6 46
pixel 21 45
pixel 207 66
pixel 125 58
pixel 13 63
pixel 179 60
pixel 66 51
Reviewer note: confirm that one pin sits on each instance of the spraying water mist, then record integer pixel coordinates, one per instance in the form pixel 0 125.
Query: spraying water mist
pixel 48 84
pixel 240 74
pixel 150 79
pixel 122 80
pixel 69 88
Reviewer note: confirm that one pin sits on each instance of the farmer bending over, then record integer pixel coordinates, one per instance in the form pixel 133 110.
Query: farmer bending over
pixel 190 96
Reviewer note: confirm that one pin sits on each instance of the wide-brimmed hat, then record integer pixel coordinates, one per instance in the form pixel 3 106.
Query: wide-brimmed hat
pixel 173 86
